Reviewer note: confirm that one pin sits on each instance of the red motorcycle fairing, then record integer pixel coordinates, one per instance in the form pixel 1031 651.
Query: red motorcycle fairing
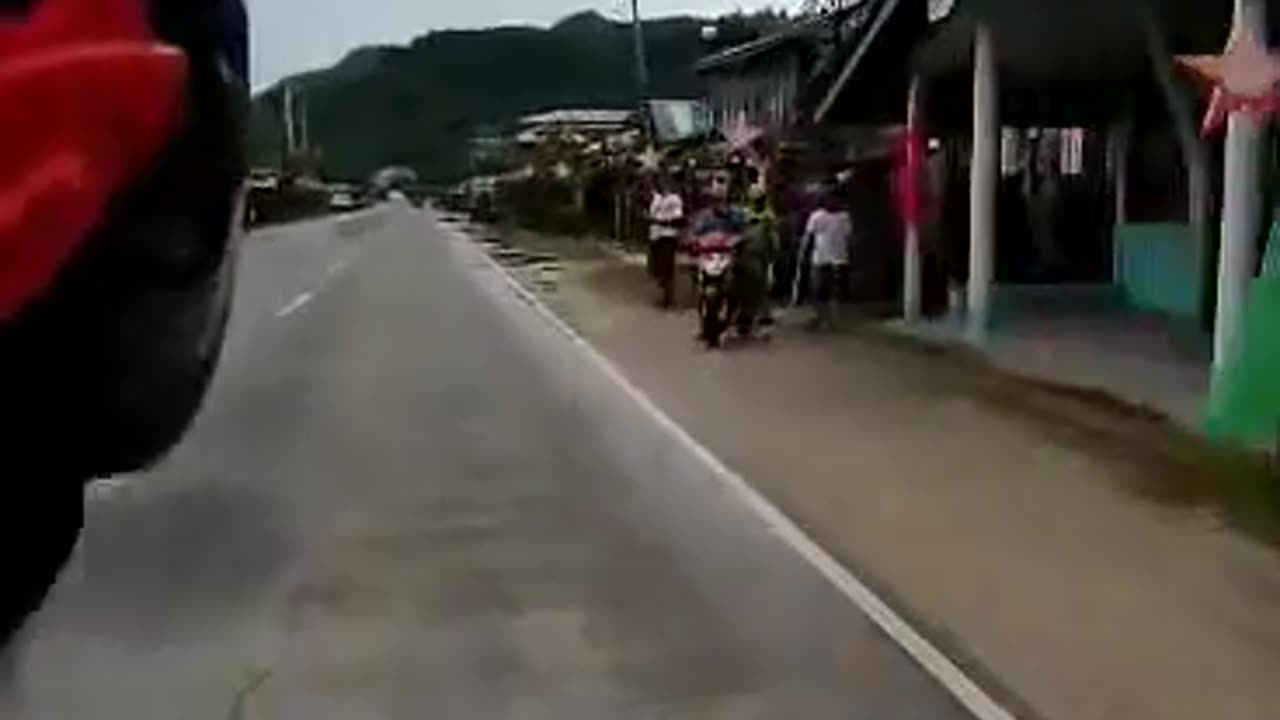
pixel 88 98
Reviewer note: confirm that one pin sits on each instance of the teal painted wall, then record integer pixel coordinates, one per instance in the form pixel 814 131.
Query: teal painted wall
pixel 1156 267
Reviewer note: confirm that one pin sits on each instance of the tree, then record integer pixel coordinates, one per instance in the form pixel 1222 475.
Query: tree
pixel 420 105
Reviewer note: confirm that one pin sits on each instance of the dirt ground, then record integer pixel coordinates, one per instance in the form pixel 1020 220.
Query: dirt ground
pixel 1076 555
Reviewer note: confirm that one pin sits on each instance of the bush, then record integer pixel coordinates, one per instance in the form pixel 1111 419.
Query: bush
pixel 287 204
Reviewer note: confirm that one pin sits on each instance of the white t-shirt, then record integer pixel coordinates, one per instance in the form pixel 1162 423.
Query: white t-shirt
pixel 830 232
pixel 665 213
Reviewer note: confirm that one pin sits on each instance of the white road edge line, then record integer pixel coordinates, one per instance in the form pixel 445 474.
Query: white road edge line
pixel 295 305
pixel 963 688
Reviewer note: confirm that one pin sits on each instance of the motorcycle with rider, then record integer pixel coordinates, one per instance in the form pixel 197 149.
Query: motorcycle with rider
pixel 733 245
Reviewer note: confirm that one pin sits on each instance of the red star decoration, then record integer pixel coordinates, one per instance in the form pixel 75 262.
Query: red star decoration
pixel 1245 79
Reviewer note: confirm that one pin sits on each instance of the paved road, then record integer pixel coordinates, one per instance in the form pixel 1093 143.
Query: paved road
pixel 409 497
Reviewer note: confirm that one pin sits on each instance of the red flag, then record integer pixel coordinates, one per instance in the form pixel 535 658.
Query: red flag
pixel 907 183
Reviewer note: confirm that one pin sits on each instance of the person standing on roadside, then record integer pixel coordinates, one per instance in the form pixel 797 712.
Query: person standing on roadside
pixel 666 222
pixel 828 233
pixel 756 255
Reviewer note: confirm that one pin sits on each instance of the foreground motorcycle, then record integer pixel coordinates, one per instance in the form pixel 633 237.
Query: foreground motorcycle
pixel 715 254
pixel 120 188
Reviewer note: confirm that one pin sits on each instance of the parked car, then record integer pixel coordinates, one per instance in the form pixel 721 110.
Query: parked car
pixel 264 179
pixel 344 198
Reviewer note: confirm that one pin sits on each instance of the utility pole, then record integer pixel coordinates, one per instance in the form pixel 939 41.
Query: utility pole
pixel 304 124
pixel 290 137
pixel 642 64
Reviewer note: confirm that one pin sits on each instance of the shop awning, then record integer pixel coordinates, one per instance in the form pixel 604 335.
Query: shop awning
pixel 1062 61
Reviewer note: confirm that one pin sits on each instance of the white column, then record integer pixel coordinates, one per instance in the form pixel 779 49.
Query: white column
pixel 911 253
pixel 1241 200
pixel 983 179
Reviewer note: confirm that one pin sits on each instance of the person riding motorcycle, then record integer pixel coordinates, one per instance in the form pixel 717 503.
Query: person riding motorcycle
pixel 120 200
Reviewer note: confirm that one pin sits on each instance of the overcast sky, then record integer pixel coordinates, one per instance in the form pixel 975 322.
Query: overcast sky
pixel 294 35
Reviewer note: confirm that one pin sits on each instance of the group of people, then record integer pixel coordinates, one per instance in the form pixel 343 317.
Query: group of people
pixel 741 207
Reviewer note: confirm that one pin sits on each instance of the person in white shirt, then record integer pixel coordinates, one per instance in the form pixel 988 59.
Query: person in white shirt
pixel 666 222
pixel 828 233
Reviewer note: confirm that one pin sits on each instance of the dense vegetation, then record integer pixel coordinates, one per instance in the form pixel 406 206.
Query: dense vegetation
pixel 418 105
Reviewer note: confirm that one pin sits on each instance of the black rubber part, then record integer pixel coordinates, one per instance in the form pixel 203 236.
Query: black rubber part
pixel 712 326
pixel 105 371
pixel 37 535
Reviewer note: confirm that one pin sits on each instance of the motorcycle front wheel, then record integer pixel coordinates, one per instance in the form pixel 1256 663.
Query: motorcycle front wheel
pixel 713 322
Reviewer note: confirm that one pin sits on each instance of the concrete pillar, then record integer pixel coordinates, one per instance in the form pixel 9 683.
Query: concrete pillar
pixel 1241 205
pixel 1121 136
pixel 911 262
pixel 983 181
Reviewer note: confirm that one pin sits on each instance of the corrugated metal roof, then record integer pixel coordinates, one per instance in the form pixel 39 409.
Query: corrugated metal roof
pixel 730 57
pixel 579 117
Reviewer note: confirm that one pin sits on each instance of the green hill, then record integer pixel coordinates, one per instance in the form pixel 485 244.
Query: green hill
pixel 418 105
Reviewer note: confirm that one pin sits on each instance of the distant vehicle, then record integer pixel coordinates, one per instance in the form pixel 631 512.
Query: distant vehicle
pixel 397 196
pixel 417 194
pixel 344 198
pixel 264 180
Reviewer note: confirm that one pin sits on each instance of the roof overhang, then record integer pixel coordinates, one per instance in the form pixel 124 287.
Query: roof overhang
pixel 1046 41
pixel 1074 62
pixel 760 49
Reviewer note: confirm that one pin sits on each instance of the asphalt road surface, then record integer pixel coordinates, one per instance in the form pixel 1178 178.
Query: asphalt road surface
pixel 411 497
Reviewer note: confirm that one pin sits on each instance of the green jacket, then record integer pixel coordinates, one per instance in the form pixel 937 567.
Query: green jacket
pixel 760 241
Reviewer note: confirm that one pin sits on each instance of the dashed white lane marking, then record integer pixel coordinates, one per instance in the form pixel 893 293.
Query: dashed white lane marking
pixel 294 305
pixel 334 270
pixel 963 688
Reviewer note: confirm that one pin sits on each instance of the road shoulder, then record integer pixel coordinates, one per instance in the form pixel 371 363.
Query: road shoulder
pixel 1017 541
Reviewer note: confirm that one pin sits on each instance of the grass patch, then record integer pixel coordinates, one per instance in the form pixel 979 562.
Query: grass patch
pixel 544 246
